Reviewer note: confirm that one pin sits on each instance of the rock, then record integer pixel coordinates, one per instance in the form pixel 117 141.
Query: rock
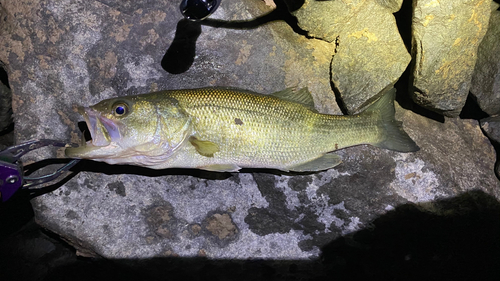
pixel 392 5
pixel 64 53
pixel 5 107
pixel 485 85
pixel 446 36
pixel 5 93
pixel 411 243
pixel 6 121
pixel 30 254
pixel 491 127
pixel 448 148
pixel 369 53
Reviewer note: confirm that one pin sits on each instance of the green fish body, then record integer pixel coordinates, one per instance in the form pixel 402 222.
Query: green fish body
pixel 220 129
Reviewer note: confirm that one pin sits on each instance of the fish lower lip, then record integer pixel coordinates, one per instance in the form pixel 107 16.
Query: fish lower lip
pixel 81 151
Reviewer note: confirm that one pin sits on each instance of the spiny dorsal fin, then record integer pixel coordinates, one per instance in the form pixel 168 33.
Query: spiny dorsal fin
pixel 205 148
pixel 302 96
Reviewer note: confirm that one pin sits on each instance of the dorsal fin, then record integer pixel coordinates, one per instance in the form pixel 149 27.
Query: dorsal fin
pixel 302 96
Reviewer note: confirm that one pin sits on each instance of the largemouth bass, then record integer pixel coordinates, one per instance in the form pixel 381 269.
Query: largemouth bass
pixel 220 129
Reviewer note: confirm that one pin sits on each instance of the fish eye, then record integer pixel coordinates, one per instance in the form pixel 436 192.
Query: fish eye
pixel 120 109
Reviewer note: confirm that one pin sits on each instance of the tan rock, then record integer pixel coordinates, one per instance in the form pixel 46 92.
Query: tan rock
pixel 370 53
pixel 446 36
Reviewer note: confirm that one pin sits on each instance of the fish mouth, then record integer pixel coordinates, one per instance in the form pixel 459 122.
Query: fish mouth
pixel 103 132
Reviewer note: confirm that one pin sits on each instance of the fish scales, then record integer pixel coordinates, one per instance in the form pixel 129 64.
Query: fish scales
pixel 227 129
pixel 272 129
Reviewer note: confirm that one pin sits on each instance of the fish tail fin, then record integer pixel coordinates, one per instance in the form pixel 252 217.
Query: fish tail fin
pixel 393 136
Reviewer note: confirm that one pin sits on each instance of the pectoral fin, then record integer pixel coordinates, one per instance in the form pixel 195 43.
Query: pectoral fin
pixel 205 148
pixel 324 162
pixel 221 168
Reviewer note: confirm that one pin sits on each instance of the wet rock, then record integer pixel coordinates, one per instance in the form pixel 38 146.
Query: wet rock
pixel 83 52
pixel 446 36
pixel 485 85
pixel 369 53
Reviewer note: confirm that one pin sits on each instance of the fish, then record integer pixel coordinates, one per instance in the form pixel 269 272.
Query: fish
pixel 225 130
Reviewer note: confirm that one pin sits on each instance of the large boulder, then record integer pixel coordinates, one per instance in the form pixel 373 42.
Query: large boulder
pixel 369 53
pixel 61 53
pixel 485 85
pixel 446 36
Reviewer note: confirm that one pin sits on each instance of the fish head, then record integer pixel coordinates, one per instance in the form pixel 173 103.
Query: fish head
pixel 142 130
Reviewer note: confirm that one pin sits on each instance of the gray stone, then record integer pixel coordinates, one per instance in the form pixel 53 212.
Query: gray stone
pixel 450 150
pixel 485 85
pixel 491 127
pixel 82 52
pixel 446 36
pixel 369 53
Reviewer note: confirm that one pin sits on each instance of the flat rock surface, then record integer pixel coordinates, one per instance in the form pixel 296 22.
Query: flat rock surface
pixel 83 52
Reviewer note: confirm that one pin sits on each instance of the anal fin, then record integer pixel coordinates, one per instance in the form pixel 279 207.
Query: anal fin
pixel 221 168
pixel 325 162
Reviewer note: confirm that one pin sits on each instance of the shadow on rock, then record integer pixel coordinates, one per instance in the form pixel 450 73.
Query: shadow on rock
pixel 180 55
pixel 280 13
pixel 452 239
pixel 186 269
pixel 405 101
pixel 100 167
pixel 471 109
pixel 44 168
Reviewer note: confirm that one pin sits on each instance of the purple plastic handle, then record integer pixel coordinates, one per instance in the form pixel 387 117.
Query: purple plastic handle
pixel 10 180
